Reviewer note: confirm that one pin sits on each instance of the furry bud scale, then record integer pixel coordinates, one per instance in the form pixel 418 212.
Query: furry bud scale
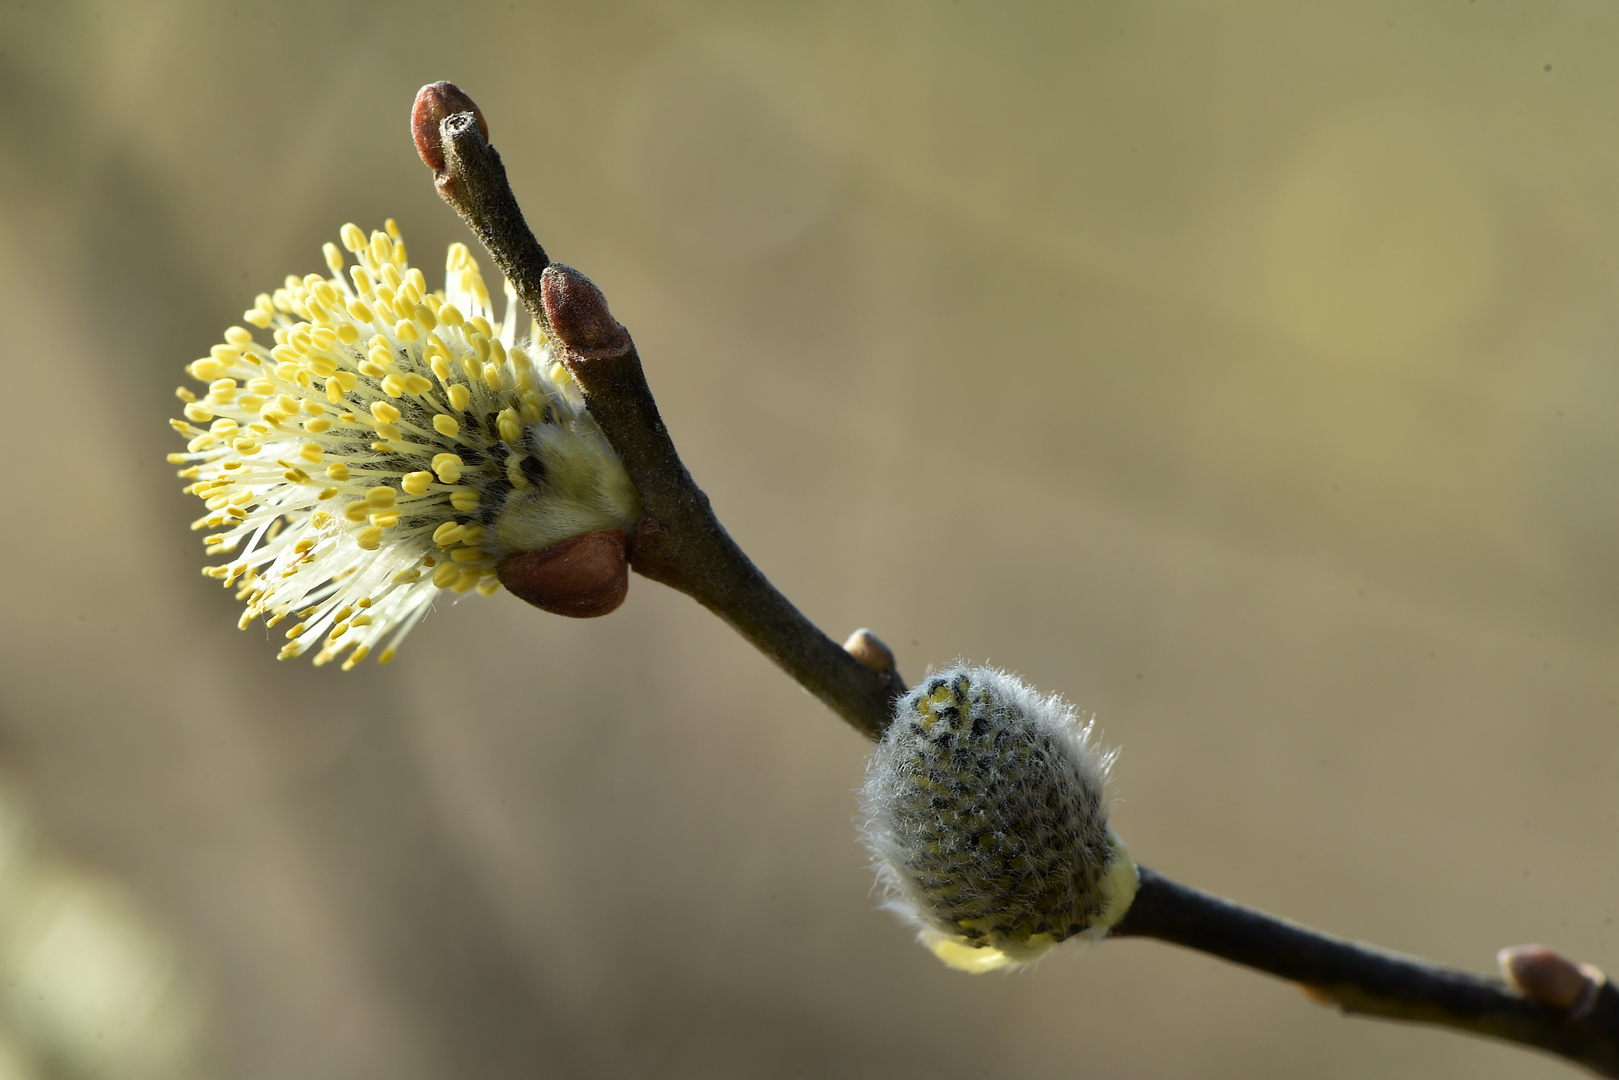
pixel 986 815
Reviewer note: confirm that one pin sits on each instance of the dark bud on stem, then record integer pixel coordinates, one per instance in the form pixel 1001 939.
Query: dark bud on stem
pixel 581 577
pixel 434 103
pixel 579 316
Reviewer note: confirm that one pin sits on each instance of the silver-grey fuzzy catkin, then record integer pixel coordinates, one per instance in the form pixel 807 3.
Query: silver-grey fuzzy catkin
pixel 987 817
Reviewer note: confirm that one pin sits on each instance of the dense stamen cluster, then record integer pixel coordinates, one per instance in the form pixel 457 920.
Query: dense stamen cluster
pixel 393 442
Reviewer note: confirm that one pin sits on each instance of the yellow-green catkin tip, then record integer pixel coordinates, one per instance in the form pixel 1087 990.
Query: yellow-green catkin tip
pixel 987 819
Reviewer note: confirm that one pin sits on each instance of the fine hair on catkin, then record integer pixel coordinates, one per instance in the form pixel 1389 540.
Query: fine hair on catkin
pixel 987 817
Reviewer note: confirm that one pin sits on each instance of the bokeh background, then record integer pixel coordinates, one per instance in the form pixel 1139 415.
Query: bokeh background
pixel 1247 372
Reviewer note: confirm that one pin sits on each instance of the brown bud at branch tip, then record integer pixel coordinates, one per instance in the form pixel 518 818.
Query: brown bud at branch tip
pixel 435 102
pixel 579 316
pixel 581 577
pixel 869 649
pixel 1541 973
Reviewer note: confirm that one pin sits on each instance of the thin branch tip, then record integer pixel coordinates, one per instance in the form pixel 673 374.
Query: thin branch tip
pixel 435 103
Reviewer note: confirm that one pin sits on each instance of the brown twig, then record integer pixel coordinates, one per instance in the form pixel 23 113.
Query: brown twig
pixel 679 542
pixel 683 545
pixel 1370 981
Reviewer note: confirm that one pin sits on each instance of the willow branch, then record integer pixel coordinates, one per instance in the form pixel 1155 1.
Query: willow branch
pixel 679 541
pixel 682 544
pixel 1369 981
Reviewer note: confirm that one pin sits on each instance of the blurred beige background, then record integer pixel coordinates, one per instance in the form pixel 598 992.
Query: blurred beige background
pixel 1244 371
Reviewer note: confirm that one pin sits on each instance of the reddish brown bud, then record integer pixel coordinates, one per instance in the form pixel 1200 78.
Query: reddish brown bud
pixel 869 649
pixel 434 102
pixel 1541 973
pixel 582 577
pixel 579 315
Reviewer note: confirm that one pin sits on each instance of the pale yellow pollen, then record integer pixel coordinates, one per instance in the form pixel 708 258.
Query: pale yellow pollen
pixel 460 397
pixel 357 511
pixel 353 239
pixel 384 412
pixel 446 575
pixel 337 471
pixel 449 533
pixel 245 447
pixel 416 483
pixel 448 467
pixel 446 425
pixel 311 452
pixel 394 387
pixel 464 499
pixel 466 555
pixel 511 432
pixel 369 538
pixel 381 497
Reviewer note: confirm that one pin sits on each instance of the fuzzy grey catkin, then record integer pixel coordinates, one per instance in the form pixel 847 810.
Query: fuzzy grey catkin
pixel 986 815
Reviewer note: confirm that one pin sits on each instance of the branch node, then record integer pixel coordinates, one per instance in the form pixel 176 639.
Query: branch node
pixel 578 313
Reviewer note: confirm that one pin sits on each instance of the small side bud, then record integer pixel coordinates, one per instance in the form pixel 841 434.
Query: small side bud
pixel 1541 973
pixel 869 649
pixel 434 103
pixel 581 577
pixel 579 316
pixel 986 816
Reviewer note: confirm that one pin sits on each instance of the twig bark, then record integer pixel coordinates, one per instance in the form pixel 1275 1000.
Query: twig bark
pixel 679 542
pixel 682 544
pixel 1367 980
